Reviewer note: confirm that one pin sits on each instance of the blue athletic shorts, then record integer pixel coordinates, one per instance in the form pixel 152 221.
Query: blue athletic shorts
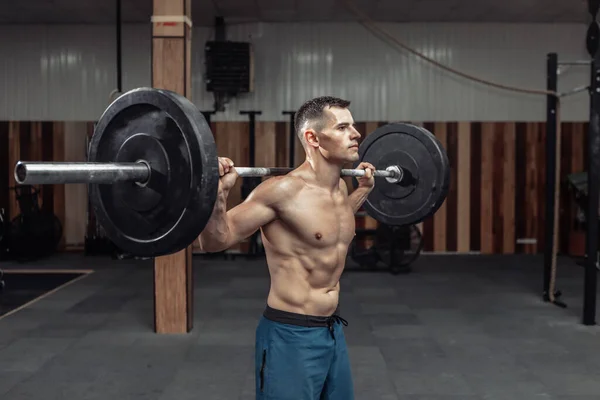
pixel 301 357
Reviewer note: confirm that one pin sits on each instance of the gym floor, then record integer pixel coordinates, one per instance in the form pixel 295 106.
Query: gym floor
pixel 458 327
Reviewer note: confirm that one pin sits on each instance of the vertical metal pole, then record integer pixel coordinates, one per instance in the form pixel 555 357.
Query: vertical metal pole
pixel 551 103
pixel 591 237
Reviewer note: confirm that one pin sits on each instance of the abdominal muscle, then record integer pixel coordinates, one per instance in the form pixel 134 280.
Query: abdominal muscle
pixel 304 280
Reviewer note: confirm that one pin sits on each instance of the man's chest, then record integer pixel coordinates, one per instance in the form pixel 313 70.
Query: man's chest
pixel 320 220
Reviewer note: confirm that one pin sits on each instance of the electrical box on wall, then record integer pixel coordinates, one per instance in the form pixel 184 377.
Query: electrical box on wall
pixel 229 67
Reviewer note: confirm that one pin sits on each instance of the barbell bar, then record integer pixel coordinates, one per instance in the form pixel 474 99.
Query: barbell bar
pixel 153 173
pixel 57 173
pixel 53 173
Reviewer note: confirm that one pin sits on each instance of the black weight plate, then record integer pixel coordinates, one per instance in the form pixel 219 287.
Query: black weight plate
pixel 167 213
pixel 426 168
pixel 592 38
pixel 593 6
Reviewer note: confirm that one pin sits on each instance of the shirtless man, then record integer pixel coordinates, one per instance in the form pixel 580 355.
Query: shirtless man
pixel 306 220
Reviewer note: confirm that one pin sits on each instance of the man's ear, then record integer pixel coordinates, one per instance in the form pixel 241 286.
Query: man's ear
pixel 310 137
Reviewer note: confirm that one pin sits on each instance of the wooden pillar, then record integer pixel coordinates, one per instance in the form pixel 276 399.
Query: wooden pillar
pixel 171 65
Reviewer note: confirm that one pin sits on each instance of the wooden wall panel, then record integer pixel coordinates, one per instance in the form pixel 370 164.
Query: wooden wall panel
pixel 34 151
pixel 266 141
pixel 452 200
pixel 282 144
pixel 496 197
pixel 463 188
pixel 47 144
pixel 76 195
pixel 475 212
pixel 233 141
pixel 487 185
pixel 440 217
pixel 532 185
pixel 508 190
pixel 431 232
pixel 497 187
pixel 495 193
pixel 520 187
pixel 540 152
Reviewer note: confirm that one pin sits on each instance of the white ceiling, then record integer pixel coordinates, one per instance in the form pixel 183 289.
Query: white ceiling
pixel 235 11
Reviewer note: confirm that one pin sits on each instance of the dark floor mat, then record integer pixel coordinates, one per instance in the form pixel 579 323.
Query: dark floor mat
pixel 19 288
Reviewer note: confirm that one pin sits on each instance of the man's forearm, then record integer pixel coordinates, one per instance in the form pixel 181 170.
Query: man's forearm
pixel 358 197
pixel 215 235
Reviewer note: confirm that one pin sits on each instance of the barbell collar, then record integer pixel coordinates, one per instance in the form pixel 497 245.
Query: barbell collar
pixel 57 173
pixel 397 174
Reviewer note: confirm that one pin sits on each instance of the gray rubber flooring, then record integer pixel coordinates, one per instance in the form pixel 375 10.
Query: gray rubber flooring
pixel 469 328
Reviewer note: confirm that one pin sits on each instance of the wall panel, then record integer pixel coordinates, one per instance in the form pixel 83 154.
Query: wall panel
pixel 66 73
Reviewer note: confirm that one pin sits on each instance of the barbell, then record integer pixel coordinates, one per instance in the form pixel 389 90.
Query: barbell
pixel 153 172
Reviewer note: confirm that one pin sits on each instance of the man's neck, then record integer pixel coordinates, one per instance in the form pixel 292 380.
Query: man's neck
pixel 327 175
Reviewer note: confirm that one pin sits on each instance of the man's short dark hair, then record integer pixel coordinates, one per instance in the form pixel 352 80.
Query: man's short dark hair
pixel 312 111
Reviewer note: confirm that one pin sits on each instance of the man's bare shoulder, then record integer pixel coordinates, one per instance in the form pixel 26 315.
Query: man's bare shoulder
pixel 277 189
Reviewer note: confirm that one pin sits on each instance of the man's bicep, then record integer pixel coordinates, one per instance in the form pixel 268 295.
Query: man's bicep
pixel 247 217
pixel 260 207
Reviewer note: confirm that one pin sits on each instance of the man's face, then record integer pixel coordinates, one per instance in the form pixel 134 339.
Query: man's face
pixel 338 139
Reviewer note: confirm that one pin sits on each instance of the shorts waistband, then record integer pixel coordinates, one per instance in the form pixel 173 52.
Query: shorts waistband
pixel 286 317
